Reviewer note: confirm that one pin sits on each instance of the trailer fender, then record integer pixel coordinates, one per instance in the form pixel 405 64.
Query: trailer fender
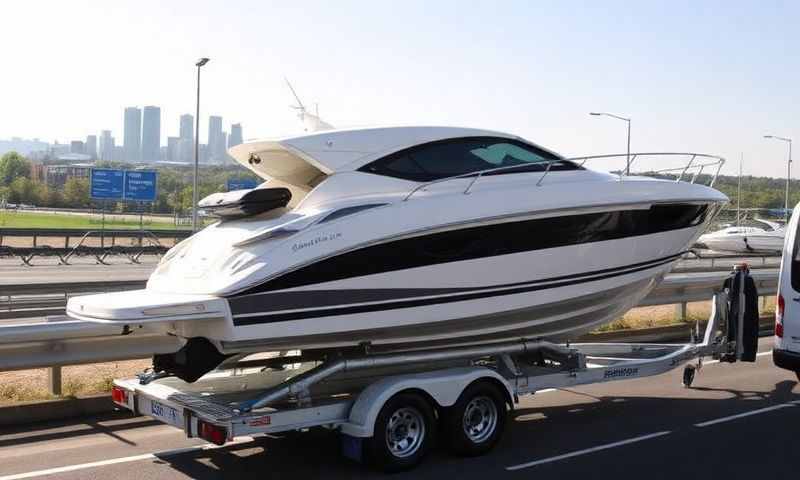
pixel 442 386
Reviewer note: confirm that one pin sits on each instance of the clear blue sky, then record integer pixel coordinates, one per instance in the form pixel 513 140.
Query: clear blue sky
pixel 710 76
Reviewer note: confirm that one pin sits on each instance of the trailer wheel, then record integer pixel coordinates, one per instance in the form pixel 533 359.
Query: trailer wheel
pixel 475 423
pixel 404 431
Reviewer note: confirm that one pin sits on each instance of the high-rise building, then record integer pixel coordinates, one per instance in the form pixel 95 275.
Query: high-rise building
pixel 118 154
pixel 185 150
pixel 76 146
pixel 106 150
pixel 172 149
pixel 133 134
pixel 215 145
pixel 91 146
pixel 151 134
pixel 187 127
pixel 203 153
pixel 222 156
pixel 235 138
pixel 186 143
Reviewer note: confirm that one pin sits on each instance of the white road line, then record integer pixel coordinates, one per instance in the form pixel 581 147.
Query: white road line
pixel 588 450
pixel 742 415
pixel 113 461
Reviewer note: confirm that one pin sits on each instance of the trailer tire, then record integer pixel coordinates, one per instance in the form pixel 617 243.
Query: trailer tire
pixel 475 423
pixel 404 432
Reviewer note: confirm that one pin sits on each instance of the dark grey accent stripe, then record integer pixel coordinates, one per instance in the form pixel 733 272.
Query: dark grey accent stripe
pixel 607 301
pixel 485 292
pixel 277 301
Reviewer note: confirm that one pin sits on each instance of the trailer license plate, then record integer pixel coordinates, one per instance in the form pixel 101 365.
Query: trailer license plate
pixel 164 412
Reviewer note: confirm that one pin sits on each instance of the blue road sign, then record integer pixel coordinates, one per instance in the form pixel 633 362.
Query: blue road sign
pixel 140 186
pixel 107 184
pixel 241 184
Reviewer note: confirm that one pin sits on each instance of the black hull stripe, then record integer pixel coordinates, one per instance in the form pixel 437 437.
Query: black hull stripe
pixel 329 312
pixel 293 300
pixel 492 240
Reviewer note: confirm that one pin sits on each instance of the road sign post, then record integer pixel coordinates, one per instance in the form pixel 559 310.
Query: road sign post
pixel 122 185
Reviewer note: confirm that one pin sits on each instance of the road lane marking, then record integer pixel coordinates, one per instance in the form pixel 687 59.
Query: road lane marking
pixel 742 415
pixel 586 451
pixel 114 461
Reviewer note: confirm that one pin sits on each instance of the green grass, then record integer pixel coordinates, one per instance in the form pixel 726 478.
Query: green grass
pixel 10 219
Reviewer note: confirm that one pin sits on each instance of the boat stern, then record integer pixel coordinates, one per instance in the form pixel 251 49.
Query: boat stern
pixel 138 307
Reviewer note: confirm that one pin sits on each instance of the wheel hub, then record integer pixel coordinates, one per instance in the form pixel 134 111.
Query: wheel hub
pixel 405 432
pixel 480 419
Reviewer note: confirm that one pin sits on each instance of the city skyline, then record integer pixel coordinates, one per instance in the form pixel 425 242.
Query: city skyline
pixel 142 127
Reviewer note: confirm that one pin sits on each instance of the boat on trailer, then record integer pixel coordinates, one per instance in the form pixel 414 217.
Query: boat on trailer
pixel 398 238
pixel 390 408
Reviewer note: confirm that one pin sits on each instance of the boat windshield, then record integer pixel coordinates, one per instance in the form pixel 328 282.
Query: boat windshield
pixel 449 158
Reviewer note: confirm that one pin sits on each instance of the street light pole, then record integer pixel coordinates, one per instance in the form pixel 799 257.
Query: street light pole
pixel 199 64
pixel 628 121
pixel 788 171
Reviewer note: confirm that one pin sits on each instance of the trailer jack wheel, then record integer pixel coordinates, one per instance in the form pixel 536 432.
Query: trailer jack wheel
pixel 404 431
pixel 688 375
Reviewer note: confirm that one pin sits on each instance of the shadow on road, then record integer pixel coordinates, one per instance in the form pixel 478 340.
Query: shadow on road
pixel 74 428
pixel 532 432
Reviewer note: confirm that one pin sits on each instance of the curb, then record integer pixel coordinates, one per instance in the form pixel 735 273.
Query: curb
pixel 49 410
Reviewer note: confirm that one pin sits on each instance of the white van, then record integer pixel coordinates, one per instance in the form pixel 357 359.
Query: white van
pixel 786 353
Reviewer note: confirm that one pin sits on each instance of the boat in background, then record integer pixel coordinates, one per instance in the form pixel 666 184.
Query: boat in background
pixel 767 238
pixel 398 238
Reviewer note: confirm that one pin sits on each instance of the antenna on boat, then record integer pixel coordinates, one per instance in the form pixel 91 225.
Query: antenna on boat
pixel 311 121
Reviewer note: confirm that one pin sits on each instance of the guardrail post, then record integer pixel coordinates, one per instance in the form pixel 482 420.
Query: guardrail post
pixel 54 380
pixel 680 311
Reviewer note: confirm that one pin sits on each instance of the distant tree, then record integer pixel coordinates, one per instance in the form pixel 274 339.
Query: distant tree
pixel 23 190
pixel 51 197
pixel 76 192
pixel 13 166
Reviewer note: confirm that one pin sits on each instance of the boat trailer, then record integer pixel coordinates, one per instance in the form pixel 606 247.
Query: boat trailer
pixel 383 404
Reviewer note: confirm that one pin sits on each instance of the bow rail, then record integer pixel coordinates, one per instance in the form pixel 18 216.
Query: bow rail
pixel 692 169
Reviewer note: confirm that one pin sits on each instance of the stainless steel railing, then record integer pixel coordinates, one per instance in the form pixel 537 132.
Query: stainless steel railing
pixel 695 164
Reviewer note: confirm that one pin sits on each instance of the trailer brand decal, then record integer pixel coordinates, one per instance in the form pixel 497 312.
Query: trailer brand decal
pixel 259 421
pixel 310 243
pixel 621 372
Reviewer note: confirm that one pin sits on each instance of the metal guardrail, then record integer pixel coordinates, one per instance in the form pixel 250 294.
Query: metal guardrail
pixel 145 242
pixel 68 233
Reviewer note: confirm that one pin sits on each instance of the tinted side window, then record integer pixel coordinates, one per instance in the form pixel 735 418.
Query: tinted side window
pixel 796 260
pixel 462 156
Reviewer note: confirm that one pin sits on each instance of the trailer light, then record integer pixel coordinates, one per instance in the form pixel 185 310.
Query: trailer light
pixel 119 395
pixel 213 433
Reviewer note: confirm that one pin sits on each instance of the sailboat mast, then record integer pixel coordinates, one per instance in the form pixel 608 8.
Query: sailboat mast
pixel 739 192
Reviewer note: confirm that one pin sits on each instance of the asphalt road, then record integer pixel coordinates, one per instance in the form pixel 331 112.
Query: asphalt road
pixel 739 421
pixel 48 271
